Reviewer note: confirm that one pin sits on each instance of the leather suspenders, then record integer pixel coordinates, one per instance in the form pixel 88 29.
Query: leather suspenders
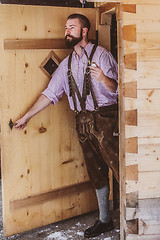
pixel 87 85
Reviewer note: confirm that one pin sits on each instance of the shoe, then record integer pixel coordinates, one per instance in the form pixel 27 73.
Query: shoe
pixel 98 228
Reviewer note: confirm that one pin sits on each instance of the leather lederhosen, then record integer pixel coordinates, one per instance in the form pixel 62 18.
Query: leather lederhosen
pixel 97 131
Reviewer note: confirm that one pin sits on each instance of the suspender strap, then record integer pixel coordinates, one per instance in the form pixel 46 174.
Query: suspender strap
pixel 73 86
pixel 87 86
pixel 92 53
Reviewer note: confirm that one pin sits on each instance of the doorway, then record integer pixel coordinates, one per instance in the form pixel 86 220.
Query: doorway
pixel 26 176
pixel 107 33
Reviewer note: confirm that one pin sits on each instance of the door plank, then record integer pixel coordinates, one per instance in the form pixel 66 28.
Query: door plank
pixel 49 195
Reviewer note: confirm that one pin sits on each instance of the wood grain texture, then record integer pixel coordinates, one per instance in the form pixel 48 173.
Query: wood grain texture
pixel 19 44
pixel 131 117
pixel 145 188
pixel 50 195
pixel 131 145
pixel 34 161
pixel 121 79
pixel 132 200
pixel 149 227
pixel 130 61
pixel 132 172
pixel 105 8
pixel 132 226
pixel 142 237
pixel 12 44
pixel 148 209
pixel 129 33
pixel 144 161
pixel 131 8
pixel 104 36
pixel 130 89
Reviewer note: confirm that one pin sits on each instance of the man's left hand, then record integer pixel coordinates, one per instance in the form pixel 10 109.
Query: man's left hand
pixel 97 73
pixel 99 76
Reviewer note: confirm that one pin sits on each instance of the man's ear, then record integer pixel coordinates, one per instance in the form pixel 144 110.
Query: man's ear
pixel 85 31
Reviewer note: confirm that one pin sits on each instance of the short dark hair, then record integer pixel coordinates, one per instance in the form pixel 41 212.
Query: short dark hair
pixel 83 20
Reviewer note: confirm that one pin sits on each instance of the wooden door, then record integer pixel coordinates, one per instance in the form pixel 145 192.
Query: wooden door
pixel 44 178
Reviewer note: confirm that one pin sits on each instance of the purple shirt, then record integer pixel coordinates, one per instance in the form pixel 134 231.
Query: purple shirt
pixel 59 82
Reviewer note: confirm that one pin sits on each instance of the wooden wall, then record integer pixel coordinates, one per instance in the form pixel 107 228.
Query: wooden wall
pixel 44 179
pixel 142 53
pixel 139 81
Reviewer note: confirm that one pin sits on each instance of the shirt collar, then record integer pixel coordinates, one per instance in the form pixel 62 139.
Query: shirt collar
pixel 88 49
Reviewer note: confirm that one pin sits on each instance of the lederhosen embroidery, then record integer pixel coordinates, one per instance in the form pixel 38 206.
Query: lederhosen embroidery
pixel 90 124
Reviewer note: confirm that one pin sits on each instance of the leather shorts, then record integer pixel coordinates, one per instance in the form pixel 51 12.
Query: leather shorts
pixel 99 139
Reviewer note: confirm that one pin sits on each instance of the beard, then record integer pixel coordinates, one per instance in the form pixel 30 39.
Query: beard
pixel 73 41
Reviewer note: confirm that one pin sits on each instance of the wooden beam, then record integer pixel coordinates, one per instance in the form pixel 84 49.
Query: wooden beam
pixel 149 227
pixel 129 33
pixel 132 172
pixel 131 145
pixel 132 226
pixel 130 89
pixel 129 8
pixel 49 195
pixel 105 8
pixel 130 61
pixel 131 117
pixel 132 200
pixel 18 44
pixel 148 209
pixel 13 44
pixel 141 237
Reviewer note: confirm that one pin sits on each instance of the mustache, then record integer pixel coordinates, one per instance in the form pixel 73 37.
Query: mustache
pixel 68 35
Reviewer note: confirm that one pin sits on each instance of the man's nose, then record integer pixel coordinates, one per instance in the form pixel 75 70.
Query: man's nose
pixel 67 32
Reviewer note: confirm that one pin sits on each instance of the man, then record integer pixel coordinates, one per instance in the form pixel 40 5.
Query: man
pixel 89 78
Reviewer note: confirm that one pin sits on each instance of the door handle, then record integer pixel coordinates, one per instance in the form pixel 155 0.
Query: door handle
pixel 11 124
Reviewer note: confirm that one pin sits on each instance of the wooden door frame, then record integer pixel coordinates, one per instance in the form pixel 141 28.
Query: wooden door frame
pixel 120 48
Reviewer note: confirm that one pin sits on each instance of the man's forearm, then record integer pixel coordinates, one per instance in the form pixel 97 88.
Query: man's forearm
pixel 39 105
pixel 109 83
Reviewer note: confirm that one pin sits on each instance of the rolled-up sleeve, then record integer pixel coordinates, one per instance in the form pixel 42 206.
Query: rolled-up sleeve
pixel 55 88
pixel 109 65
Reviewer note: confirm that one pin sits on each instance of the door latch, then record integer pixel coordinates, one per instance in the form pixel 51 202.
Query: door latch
pixel 11 124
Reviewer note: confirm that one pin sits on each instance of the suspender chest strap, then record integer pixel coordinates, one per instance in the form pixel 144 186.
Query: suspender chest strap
pixel 87 85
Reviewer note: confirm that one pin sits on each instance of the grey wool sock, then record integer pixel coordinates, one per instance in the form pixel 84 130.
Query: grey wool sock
pixel 103 203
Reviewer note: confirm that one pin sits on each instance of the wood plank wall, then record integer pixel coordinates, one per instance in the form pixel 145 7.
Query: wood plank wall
pixel 141 74
pixel 140 119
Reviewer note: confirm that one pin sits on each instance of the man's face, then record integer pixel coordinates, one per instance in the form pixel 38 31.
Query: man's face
pixel 73 32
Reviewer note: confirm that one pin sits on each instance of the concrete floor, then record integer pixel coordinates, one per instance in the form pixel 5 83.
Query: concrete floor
pixel 68 229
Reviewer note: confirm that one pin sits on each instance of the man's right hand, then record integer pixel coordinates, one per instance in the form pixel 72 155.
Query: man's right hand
pixel 21 123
